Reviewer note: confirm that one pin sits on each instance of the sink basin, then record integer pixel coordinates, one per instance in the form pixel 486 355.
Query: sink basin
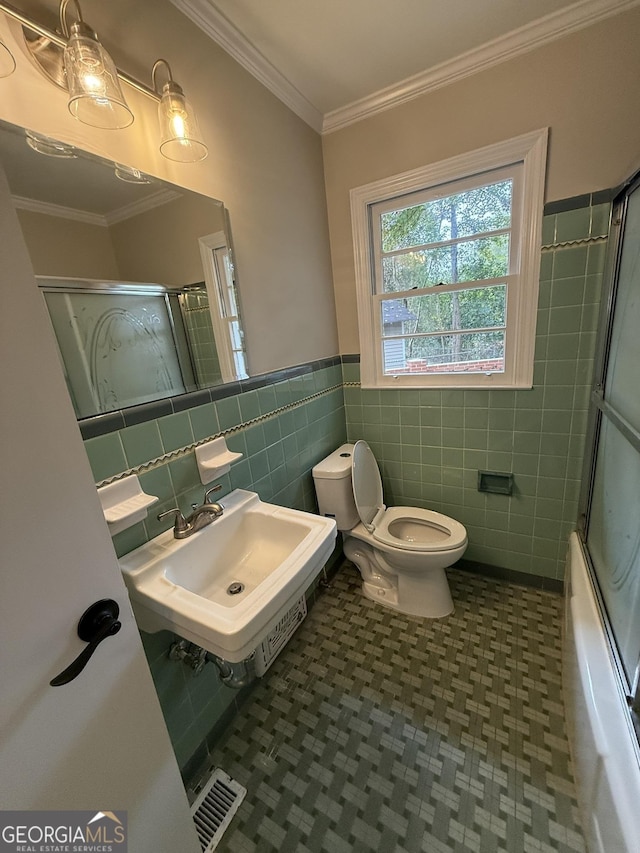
pixel 227 586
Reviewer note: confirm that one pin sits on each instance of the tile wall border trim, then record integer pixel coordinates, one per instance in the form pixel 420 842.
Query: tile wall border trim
pixel 576 202
pixel 189 448
pixel 570 244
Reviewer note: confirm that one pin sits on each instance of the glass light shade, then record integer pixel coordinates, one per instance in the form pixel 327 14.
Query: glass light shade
pixel 7 62
pixel 95 96
pixel 50 147
pixel 180 137
pixel 130 175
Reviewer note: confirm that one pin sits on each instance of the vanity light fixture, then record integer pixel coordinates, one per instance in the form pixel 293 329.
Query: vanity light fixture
pixel 76 61
pixel 180 137
pixel 7 62
pixel 95 96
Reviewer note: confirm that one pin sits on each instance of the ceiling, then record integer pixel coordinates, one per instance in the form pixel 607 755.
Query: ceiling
pixel 335 61
pixel 82 187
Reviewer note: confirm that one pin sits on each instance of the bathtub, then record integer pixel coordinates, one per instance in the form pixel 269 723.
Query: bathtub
pixel 604 750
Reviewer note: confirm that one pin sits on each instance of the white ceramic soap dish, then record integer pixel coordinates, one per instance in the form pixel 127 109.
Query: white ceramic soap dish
pixel 214 459
pixel 124 503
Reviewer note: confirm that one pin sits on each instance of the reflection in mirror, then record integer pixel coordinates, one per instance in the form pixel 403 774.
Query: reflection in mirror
pixel 137 275
pixel 122 345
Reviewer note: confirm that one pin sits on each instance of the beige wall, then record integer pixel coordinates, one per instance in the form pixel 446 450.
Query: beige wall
pixel 584 88
pixel 64 247
pixel 161 244
pixel 264 162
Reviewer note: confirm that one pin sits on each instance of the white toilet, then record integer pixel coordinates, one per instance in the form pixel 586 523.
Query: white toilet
pixel 401 551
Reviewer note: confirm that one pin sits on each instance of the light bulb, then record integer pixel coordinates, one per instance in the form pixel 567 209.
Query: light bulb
pixel 178 125
pixel 181 139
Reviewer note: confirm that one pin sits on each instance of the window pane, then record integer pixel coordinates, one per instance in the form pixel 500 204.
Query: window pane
pixel 475 308
pixel 463 214
pixel 471 260
pixel 476 352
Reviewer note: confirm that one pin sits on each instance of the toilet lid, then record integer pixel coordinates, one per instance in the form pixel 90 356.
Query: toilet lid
pixel 367 485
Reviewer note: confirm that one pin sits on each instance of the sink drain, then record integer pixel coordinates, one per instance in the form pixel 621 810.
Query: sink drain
pixel 235 588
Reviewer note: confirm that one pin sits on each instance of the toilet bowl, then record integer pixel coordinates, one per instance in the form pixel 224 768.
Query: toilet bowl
pixel 401 552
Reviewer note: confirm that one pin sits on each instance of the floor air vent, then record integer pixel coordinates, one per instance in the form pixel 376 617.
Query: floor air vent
pixel 217 803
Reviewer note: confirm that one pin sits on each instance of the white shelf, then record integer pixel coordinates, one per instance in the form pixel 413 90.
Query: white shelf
pixel 214 459
pixel 124 503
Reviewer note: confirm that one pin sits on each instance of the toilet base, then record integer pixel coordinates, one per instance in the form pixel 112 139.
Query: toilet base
pixel 425 593
pixel 433 602
pixel 386 597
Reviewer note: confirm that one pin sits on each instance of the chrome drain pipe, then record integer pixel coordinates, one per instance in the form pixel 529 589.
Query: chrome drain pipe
pixel 235 675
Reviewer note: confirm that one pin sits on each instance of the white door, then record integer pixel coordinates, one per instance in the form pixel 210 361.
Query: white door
pixel 98 743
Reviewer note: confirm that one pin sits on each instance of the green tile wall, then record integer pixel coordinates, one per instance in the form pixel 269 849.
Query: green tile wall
pixel 197 321
pixel 431 444
pixel 278 453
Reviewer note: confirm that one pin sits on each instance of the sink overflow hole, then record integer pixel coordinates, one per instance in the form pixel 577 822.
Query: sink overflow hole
pixel 235 588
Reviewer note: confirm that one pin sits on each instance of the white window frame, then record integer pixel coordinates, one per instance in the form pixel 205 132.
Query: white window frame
pixel 527 155
pixel 232 363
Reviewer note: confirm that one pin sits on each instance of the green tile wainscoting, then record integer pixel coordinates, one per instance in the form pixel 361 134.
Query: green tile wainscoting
pixel 430 445
pixel 282 430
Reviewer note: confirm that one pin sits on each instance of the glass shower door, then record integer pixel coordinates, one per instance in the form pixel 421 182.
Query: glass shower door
pixel 613 515
pixel 118 348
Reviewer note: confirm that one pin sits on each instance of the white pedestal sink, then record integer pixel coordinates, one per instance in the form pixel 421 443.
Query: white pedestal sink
pixel 226 586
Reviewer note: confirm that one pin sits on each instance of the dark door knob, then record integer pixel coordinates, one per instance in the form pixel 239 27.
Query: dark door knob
pixel 96 624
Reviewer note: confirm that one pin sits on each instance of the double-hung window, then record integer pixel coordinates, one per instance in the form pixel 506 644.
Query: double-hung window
pixel 447 266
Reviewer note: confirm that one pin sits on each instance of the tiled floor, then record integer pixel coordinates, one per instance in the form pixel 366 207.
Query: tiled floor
pixel 375 731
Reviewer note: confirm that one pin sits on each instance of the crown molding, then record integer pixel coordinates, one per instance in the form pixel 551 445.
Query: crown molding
pixel 220 29
pixel 49 209
pixel 104 221
pixel 141 206
pixel 527 38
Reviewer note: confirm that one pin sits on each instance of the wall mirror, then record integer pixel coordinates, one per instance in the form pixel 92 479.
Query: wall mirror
pixel 137 274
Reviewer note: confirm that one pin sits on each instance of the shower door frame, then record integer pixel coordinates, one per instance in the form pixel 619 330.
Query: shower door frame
pixel 598 409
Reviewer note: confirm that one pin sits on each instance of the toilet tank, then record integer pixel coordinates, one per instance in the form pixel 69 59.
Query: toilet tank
pixel 332 479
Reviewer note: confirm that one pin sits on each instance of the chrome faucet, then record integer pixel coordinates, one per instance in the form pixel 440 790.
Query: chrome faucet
pixel 202 515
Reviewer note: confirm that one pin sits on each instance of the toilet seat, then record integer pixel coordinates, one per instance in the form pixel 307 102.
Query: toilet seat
pixel 405 528
pixel 416 529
